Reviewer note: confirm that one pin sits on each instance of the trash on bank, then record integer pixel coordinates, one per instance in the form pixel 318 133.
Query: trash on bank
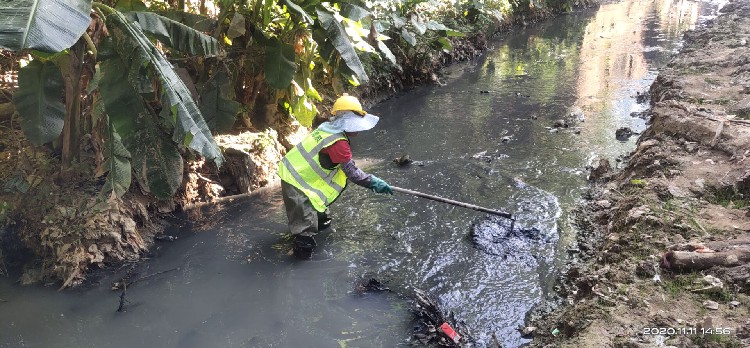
pixel 712 285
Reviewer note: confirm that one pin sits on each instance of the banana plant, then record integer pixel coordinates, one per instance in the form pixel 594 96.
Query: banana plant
pixel 156 160
pixel 217 102
pixel 412 26
pixel 332 34
pixel 151 117
pixel 135 138
pixel 280 34
pixel 35 24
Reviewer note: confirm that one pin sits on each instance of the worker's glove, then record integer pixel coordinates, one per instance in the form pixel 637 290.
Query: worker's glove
pixel 379 186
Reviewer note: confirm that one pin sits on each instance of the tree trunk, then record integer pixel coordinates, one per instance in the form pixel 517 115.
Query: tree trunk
pixel 72 128
pixel 695 261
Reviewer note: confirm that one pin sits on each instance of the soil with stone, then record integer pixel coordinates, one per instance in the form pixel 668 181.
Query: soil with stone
pixel 665 241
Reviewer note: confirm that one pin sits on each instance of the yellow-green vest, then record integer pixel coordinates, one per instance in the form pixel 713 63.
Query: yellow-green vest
pixel 301 168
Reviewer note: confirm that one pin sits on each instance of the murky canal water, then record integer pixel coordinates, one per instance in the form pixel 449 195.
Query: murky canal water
pixel 482 138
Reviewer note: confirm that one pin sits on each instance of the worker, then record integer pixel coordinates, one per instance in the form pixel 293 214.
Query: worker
pixel 315 172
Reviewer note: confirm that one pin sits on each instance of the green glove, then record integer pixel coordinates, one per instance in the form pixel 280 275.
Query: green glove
pixel 380 186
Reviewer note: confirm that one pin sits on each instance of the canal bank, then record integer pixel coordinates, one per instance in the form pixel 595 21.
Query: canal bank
pixel 664 241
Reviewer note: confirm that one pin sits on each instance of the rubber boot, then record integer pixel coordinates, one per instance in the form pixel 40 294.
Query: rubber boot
pixel 324 221
pixel 303 246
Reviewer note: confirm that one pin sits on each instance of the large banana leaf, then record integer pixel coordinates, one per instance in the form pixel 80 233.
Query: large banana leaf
pixel 217 103
pixel 155 159
pixel 39 101
pixel 280 64
pixel 294 8
pixel 337 35
pixel 176 35
pixel 130 5
pixel 353 12
pixel 198 22
pixel 45 25
pixel 418 25
pixel 325 46
pixel 303 109
pixel 388 54
pixel 141 59
pixel 116 163
pixel 409 37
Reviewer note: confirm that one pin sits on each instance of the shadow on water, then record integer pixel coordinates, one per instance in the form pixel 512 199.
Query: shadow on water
pixel 236 286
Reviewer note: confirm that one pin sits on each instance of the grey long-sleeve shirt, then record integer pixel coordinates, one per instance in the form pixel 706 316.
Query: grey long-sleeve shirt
pixel 356 175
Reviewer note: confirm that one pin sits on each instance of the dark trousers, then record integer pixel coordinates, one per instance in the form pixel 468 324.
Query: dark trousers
pixel 302 217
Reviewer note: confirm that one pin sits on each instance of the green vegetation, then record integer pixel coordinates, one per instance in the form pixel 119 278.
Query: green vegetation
pixel 722 296
pixel 729 197
pixel 720 340
pixel 669 205
pixel 677 285
pixel 638 182
pixel 140 82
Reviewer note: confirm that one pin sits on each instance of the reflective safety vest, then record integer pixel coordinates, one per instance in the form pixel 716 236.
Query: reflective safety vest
pixel 301 168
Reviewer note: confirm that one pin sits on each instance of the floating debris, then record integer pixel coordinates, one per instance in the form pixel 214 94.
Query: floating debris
pixel 480 154
pixel 403 160
pixel 576 113
pixel 642 98
pixel 488 157
pixel 435 328
pixel 624 133
pixel 165 238
pixel 560 124
pixel 519 183
pixel 370 285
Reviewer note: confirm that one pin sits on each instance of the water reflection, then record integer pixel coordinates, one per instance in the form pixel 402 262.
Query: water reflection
pixel 623 47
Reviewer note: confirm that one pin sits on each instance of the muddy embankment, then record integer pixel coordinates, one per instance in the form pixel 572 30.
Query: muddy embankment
pixel 665 241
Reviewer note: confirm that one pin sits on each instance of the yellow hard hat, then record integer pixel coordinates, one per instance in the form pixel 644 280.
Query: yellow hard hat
pixel 347 102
